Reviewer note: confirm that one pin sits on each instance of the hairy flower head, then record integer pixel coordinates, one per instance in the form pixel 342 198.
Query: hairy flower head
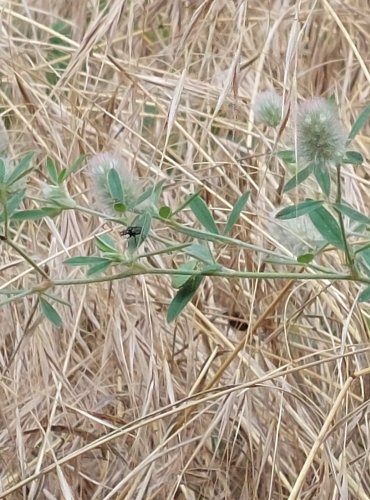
pixel 268 108
pixel 98 168
pixel 320 135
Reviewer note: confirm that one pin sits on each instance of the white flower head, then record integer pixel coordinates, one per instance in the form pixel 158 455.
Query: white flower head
pixel 320 135
pixel 98 168
pixel 268 108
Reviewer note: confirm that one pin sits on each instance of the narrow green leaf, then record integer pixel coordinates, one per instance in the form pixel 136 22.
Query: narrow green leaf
pixel 288 156
pixel 145 195
pixel 322 176
pixel 235 212
pixel 298 178
pixel 327 226
pixel 99 268
pixel 183 297
pixel 22 169
pixel 50 313
pixel 33 214
pixel 360 122
pixel 186 202
pixel 203 214
pixel 200 252
pixel 115 185
pixel 2 170
pixel 179 280
pixel 294 211
pixel 15 201
pixel 157 191
pixel 364 295
pixel 72 168
pixel 52 171
pixel 352 213
pixel 165 212
pixel 86 260
pixel 353 158
pixel 105 243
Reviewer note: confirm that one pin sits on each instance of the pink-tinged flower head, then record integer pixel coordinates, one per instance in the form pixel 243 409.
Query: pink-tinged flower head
pixel 268 108
pixel 320 135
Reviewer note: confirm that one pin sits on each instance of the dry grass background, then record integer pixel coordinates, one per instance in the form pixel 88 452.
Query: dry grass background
pixel 105 407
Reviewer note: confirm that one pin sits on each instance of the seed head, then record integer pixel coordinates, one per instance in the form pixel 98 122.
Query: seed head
pixel 268 108
pixel 320 135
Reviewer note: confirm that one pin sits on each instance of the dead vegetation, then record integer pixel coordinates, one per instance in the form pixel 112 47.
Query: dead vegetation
pixel 251 393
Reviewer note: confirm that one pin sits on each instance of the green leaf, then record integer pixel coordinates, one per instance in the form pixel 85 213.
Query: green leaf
pixel 203 214
pixel 115 185
pixel 71 169
pixel 322 176
pixel 144 221
pixel 294 211
pixel 305 258
pixel 352 213
pixel 364 295
pixel 235 212
pixel 99 268
pixel 52 171
pixel 22 169
pixel 353 158
pixel 157 191
pixel 360 122
pixel 183 297
pixel 298 178
pixel 50 313
pixel 105 243
pixel 35 214
pixel 179 280
pixel 86 260
pixel 200 252
pixel 145 195
pixel 288 156
pixel 327 226
pixel 2 170
pixel 13 203
pixel 186 202
pixel 165 212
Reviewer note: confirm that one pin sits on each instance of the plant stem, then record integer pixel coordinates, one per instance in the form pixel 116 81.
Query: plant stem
pixel 350 261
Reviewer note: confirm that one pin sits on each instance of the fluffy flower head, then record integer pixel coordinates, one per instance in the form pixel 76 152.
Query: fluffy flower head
pixel 98 168
pixel 320 135
pixel 268 108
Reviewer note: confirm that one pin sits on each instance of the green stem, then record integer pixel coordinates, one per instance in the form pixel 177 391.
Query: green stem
pixel 140 269
pixel 25 256
pixel 350 261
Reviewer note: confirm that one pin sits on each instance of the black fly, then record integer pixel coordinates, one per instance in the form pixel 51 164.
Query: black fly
pixel 132 232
